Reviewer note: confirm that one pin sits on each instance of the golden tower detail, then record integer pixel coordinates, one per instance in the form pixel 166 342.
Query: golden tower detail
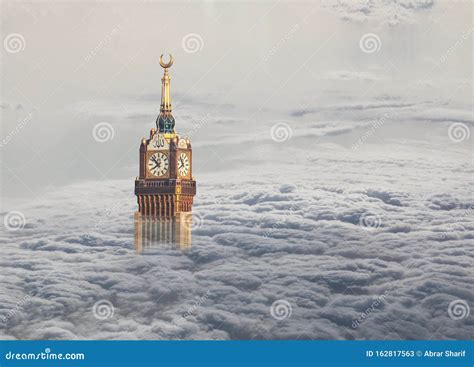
pixel 165 186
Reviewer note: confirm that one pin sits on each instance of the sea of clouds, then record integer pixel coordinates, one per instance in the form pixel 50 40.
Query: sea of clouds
pixel 334 200
pixel 349 243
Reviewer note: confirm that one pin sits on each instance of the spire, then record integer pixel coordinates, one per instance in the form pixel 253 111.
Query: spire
pixel 165 121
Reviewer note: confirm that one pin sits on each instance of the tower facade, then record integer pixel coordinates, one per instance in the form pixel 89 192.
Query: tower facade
pixel 165 186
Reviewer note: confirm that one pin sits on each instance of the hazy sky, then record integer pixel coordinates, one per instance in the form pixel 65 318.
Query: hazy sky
pixel 239 68
pixel 332 147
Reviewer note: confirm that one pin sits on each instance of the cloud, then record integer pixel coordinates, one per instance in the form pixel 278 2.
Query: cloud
pixel 360 106
pixel 390 12
pixel 445 115
pixel 263 238
pixel 309 220
pixel 345 75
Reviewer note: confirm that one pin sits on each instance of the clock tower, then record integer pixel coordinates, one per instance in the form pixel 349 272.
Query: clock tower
pixel 165 186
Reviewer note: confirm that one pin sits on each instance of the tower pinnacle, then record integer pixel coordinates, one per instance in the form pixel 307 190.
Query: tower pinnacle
pixel 165 186
pixel 165 121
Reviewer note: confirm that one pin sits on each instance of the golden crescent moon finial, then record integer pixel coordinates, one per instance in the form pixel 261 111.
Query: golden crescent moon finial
pixel 163 65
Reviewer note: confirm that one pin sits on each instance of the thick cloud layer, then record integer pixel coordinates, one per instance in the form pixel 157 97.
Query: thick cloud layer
pixel 332 144
pixel 357 253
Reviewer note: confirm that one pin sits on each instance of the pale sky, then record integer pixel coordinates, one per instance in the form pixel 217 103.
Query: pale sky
pixel 332 148
pixel 246 65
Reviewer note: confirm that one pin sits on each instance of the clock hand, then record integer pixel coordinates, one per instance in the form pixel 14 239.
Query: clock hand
pixel 156 161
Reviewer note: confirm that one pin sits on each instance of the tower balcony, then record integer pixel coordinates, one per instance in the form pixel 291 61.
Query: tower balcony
pixel 166 186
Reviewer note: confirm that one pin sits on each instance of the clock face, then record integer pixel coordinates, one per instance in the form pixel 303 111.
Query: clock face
pixel 183 164
pixel 158 164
